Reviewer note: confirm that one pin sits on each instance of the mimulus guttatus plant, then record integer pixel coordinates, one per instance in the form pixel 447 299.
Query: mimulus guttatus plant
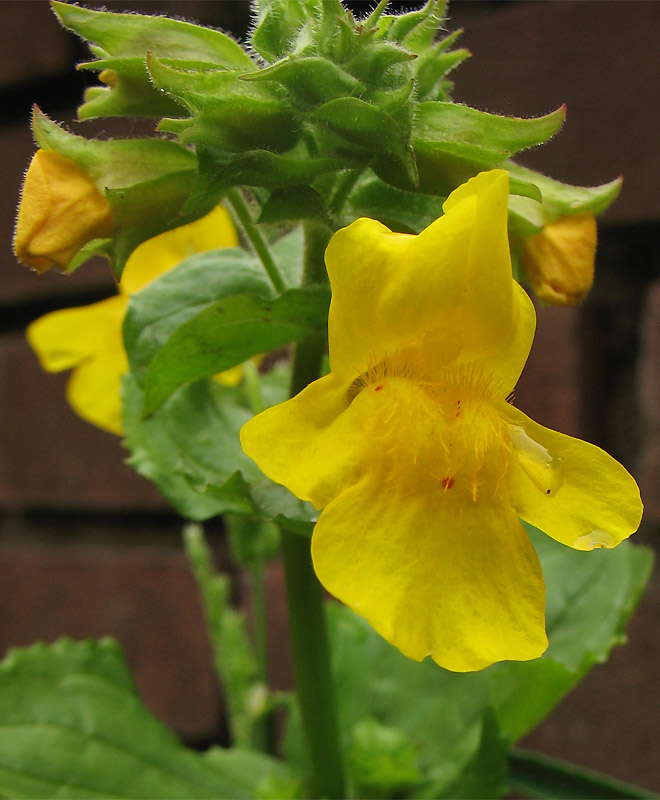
pixel 421 466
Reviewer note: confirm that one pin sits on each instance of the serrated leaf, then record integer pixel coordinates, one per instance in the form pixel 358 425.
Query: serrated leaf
pixel 589 599
pixel 177 296
pixel 72 726
pixel 190 449
pixel 230 331
pixel 125 35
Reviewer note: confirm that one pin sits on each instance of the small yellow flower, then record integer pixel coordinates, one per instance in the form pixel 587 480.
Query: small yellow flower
pixel 559 261
pixel 60 211
pixel 89 339
pixel 421 466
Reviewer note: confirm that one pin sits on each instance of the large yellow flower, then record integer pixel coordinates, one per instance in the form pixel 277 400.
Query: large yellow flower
pixel 89 339
pixel 420 464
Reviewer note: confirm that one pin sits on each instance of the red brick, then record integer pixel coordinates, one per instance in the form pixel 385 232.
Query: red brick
pixel 50 458
pixel 601 60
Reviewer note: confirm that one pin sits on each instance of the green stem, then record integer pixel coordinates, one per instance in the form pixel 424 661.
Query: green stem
pixel 309 640
pixel 260 245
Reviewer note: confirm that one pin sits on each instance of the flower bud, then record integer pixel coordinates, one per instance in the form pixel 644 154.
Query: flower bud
pixel 60 211
pixel 559 261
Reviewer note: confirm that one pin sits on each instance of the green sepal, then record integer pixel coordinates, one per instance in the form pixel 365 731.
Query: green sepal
pixel 229 113
pixel 431 71
pixel 557 200
pixel 360 130
pixel 278 24
pixel 471 134
pixel 230 331
pixel 372 65
pixel 113 163
pixel 127 35
pixel 128 93
pixel 219 171
pixel 72 726
pixel 310 80
pixel 417 29
pixel 293 203
pixel 146 209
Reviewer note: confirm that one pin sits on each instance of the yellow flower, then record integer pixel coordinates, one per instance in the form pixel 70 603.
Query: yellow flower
pixel 60 211
pixel 559 261
pixel 421 466
pixel 89 339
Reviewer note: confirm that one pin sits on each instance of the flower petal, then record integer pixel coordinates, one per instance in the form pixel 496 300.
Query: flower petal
pixel 94 390
pixel 165 251
pixel 570 489
pixel 432 575
pixel 312 444
pixel 469 308
pixel 60 211
pixel 66 338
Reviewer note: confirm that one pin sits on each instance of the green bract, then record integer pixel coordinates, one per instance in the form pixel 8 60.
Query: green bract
pixel 317 99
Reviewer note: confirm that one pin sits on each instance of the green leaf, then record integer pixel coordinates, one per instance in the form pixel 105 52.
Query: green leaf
pixel 72 726
pixel 542 777
pixel 177 296
pixel 190 449
pixel 589 598
pixel 229 332
pixel 293 203
pixel 382 761
pixel 127 35
pixel 446 717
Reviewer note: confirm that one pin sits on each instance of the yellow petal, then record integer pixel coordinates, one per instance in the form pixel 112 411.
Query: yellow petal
pixel 447 293
pixel 559 261
pixel 307 443
pixel 165 251
pixel 570 489
pixel 60 211
pixel 93 390
pixel 64 339
pixel 434 577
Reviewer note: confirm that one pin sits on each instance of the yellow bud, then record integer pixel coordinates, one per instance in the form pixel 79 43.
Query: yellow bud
pixel 559 261
pixel 60 211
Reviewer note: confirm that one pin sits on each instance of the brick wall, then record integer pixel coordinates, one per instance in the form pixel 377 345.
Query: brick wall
pixel 88 548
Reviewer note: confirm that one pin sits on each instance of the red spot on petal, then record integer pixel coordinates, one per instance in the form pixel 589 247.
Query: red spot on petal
pixel 447 483
pixel 378 388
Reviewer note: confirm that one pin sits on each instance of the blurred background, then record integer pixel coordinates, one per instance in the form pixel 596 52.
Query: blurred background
pixel 88 548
